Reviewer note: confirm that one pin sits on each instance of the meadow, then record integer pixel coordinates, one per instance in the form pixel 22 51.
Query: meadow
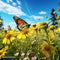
pixel 39 42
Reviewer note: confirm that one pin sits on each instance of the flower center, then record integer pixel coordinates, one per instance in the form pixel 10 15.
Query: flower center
pixel 1 53
pixel 25 32
pixel 47 48
pixel 8 36
pixel 34 25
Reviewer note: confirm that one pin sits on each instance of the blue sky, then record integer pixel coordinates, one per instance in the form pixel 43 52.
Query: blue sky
pixel 29 10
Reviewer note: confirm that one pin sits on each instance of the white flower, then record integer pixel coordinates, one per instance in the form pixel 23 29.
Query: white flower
pixel 22 54
pixel 26 58
pixel 16 54
pixel 27 53
pixel 34 58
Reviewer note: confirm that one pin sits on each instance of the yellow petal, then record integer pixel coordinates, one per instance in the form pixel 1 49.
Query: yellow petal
pixel 12 38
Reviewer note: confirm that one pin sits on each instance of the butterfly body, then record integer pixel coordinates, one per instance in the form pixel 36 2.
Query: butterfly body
pixel 21 24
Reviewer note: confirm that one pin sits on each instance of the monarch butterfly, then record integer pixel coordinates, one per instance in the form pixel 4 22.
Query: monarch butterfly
pixel 21 24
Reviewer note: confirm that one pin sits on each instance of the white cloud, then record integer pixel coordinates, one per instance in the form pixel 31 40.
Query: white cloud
pixel 12 23
pixel 7 1
pixel 42 12
pixel 4 7
pixel 19 7
pixel 37 17
pixel 14 4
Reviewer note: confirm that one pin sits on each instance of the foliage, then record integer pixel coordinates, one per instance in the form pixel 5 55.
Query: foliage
pixel 40 41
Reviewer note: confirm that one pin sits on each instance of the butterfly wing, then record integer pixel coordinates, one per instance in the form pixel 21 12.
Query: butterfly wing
pixel 19 21
pixel 21 24
pixel 21 27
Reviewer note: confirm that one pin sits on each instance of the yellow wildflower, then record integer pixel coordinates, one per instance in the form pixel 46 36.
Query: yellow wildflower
pixel 57 30
pixel 4 33
pixel 8 38
pixel 21 36
pixel 0 21
pixel 51 35
pixel 36 26
pixel 58 18
pixel 13 32
pixel 25 33
pixel 47 49
pixel 2 53
pixel 43 25
pixel 52 27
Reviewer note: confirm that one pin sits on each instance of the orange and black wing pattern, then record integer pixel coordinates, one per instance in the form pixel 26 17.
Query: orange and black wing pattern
pixel 20 21
pixel 21 24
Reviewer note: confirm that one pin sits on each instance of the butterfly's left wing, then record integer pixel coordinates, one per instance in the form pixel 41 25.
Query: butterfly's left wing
pixel 21 24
